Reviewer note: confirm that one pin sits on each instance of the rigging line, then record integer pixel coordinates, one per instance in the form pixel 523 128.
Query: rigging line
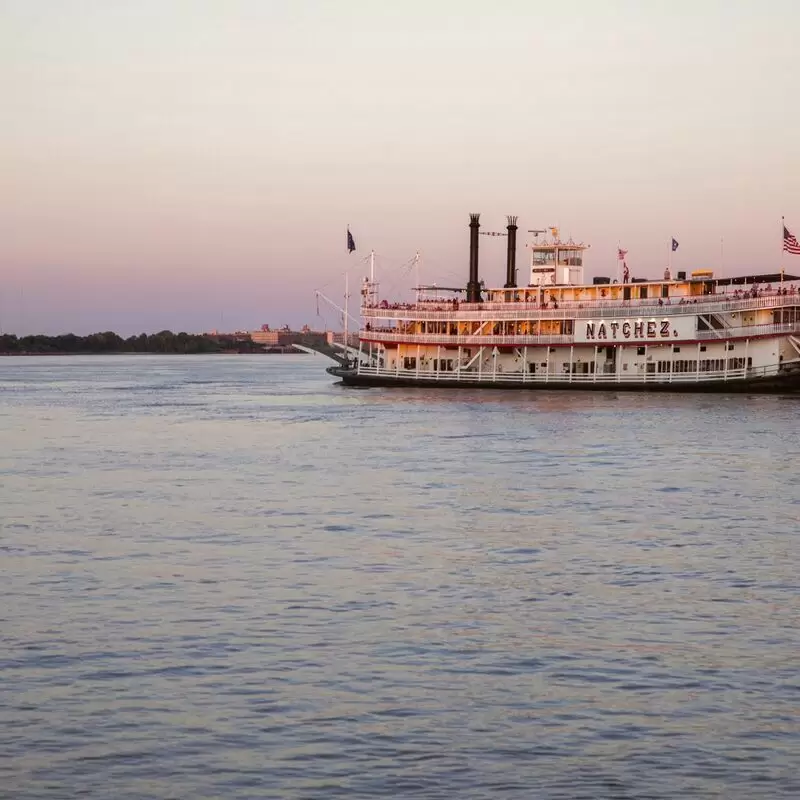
pixel 432 268
pixel 349 269
pixel 380 262
pixel 403 270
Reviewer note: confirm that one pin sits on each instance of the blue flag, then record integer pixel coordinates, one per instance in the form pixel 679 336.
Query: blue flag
pixel 351 245
pixel 674 245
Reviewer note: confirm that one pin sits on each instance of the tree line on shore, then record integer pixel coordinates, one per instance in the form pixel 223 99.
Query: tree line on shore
pixel 110 342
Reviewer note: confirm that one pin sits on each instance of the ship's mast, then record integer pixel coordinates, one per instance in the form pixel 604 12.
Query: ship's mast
pixel 346 316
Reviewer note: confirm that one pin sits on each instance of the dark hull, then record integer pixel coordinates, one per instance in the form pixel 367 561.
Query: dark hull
pixel 774 384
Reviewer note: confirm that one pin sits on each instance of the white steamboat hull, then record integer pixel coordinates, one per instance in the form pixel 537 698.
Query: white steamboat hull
pixel 761 381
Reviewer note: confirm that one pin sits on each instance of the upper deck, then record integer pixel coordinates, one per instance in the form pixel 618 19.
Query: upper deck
pixel 676 298
pixel 557 306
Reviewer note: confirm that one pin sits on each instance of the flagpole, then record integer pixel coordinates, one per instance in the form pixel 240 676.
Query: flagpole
pixel 783 228
pixel 346 296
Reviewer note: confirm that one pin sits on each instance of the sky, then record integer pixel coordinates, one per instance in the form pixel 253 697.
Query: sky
pixel 194 164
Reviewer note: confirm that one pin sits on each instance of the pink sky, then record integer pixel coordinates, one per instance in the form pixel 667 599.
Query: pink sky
pixel 193 164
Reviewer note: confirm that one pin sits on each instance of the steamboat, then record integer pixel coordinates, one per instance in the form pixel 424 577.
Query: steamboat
pixel 693 332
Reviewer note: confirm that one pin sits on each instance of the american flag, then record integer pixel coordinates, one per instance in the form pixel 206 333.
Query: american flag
pixel 790 244
pixel 621 253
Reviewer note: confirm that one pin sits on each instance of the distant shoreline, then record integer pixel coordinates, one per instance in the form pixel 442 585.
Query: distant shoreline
pixel 110 343
pixel 161 343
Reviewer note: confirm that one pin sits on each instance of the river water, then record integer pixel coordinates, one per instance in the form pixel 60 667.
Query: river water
pixel 227 576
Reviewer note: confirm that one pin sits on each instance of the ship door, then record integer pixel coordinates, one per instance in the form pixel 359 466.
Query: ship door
pixel 626 292
pixel 611 361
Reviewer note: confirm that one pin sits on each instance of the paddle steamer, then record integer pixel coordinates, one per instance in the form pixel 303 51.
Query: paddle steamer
pixel 690 332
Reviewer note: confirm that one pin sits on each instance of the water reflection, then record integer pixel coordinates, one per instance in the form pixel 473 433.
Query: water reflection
pixel 230 578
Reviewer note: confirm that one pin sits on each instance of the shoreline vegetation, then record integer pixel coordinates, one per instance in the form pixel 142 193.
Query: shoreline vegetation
pixel 110 343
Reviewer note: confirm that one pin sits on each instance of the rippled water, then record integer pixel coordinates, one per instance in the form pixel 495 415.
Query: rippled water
pixel 229 577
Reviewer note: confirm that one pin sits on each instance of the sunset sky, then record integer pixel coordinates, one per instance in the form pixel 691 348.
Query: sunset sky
pixel 193 164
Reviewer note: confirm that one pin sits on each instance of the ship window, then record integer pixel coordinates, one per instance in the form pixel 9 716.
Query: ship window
pixel 640 351
pixel 730 347
pixel 643 292
pixel 676 349
pixel 702 348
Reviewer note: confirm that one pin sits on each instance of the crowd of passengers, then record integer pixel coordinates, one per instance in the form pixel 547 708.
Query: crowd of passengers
pixel 737 294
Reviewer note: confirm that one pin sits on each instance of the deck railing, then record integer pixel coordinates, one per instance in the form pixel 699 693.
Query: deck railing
pixel 501 377
pixel 705 304
pixel 478 340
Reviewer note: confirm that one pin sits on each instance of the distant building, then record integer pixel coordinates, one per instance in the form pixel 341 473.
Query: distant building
pixel 285 338
pixel 265 337
pixel 337 337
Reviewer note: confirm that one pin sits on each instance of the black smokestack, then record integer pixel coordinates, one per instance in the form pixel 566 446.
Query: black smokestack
pixel 511 261
pixel 473 287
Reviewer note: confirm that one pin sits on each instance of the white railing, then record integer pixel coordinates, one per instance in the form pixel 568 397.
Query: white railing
pixel 491 376
pixel 705 304
pixel 468 341
pixel 478 340
pixel 749 331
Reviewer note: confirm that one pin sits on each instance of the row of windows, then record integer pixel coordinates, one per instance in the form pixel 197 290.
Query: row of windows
pixel 640 351
pixel 588 367
pixel 706 365
pixel 786 315
pixel 438 364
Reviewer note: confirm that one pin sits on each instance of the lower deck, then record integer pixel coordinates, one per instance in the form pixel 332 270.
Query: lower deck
pixel 783 380
pixel 698 363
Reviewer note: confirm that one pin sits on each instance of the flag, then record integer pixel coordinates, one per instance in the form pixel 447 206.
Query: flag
pixel 351 244
pixel 621 253
pixel 790 244
pixel 674 245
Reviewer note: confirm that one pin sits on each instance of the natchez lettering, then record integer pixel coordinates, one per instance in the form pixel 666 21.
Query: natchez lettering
pixel 640 329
